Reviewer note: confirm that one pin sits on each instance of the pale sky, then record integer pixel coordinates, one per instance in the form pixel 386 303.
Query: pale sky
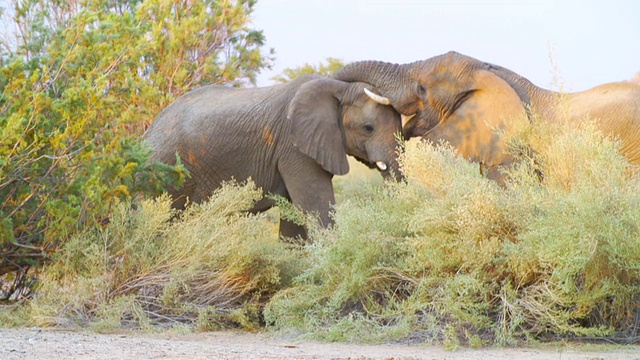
pixel 558 44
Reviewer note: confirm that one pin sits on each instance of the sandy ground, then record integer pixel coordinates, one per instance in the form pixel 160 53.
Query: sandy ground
pixel 58 344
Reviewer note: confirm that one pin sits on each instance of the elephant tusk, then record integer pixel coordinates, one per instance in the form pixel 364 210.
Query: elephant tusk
pixel 377 98
pixel 381 165
pixel 406 119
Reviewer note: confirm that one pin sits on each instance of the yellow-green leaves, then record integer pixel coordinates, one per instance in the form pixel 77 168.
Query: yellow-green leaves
pixel 80 83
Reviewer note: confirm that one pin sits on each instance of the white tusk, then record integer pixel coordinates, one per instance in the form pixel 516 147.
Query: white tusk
pixel 406 119
pixel 381 165
pixel 377 98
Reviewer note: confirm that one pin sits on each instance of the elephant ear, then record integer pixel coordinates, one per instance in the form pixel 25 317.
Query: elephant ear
pixel 316 125
pixel 473 126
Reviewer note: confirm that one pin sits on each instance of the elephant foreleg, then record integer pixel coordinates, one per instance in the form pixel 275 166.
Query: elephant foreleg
pixel 291 230
pixel 310 189
pixel 495 173
pixel 288 229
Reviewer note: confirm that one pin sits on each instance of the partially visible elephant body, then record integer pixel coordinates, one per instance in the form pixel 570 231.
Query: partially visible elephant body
pixel 635 79
pixel 289 139
pixel 208 130
pixel 464 101
pixel 615 108
pixel 477 132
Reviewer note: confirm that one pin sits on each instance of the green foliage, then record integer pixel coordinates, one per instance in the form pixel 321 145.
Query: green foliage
pixel 331 66
pixel 212 267
pixel 452 257
pixel 79 84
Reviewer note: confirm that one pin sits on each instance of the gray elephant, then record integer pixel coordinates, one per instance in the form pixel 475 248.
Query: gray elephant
pixel 463 100
pixel 290 139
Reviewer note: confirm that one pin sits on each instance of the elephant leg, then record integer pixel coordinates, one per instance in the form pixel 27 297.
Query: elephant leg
pixel 495 173
pixel 310 188
pixel 288 230
pixel 291 230
pixel 262 205
pixel 182 196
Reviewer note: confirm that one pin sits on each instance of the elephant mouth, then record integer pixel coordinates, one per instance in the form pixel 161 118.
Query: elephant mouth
pixel 379 165
pixel 387 172
pixel 419 126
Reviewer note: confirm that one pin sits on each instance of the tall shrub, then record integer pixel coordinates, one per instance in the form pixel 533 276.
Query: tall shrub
pixel 79 83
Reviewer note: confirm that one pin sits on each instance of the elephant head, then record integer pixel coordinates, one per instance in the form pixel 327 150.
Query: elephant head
pixel 432 90
pixel 455 98
pixel 332 119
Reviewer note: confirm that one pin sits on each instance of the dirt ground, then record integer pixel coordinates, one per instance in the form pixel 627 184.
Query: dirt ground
pixel 58 344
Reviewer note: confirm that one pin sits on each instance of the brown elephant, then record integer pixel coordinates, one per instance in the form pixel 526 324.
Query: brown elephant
pixel 464 101
pixel 290 139
pixel 635 79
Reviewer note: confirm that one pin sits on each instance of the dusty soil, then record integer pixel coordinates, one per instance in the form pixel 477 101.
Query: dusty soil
pixel 59 344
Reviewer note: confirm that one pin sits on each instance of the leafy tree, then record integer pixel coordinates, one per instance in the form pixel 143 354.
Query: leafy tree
pixel 79 83
pixel 331 66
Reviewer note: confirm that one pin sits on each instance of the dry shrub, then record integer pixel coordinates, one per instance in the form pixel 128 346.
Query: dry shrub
pixel 450 256
pixel 352 271
pixel 213 266
pixel 577 254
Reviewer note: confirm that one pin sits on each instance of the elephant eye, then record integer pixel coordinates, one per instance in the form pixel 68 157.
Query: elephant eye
pixel 421 89
pixel 368 129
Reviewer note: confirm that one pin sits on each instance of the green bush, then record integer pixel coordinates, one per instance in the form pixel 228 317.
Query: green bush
pixel 452 257
pixel 79 83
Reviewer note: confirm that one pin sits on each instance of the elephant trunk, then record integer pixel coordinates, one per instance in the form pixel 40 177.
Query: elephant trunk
pixel 377 73
pixel 385 161
pixel 393 172
pixel 390 79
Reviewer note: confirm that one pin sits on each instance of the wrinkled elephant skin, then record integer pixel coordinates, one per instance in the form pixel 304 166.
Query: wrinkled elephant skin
pixel 290 139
